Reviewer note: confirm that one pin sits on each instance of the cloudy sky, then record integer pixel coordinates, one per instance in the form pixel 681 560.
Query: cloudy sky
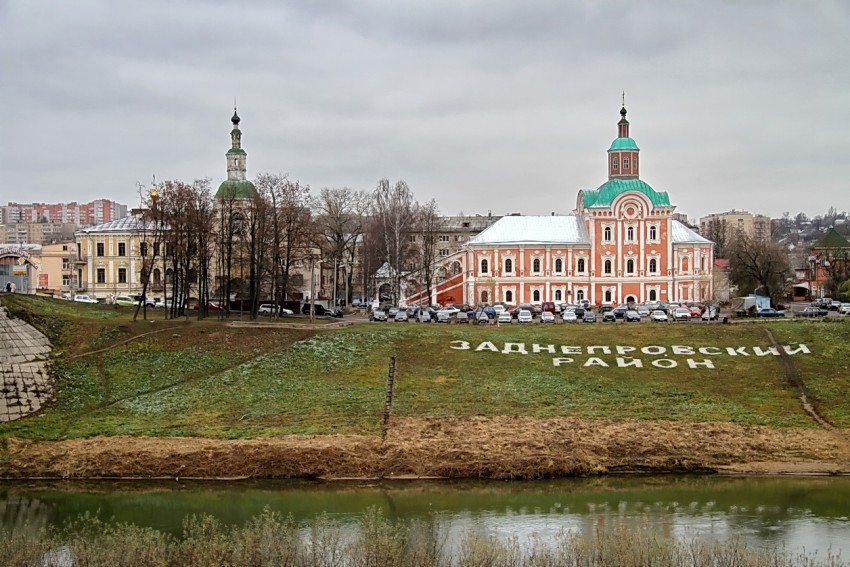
pixel 497 105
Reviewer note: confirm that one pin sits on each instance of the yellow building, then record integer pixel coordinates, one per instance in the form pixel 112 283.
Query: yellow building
pixel 112 258
pixel 736 223
pixel 55 273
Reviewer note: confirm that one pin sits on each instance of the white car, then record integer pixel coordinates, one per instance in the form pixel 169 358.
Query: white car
pixel 844 309
pixel 504 317
pixel 681 314
pixel 84 299
pixel 644 310
pixel 547 317
pixel 569 316
pixel 658 315
pixel 525 316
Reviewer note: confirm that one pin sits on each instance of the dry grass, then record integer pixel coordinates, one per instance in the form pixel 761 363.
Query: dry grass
pixel 454 446
pixel 273 540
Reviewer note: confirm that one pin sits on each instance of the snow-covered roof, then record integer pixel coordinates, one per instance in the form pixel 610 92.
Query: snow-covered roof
pixel 683 235
pixel 564 229
pixel 127 224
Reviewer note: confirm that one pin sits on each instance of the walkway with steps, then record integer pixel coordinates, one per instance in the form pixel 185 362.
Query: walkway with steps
pixel 25 384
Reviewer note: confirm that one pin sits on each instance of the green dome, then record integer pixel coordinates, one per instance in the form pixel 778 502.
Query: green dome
pixel 608 191
pixel 236 190
pixel 623 144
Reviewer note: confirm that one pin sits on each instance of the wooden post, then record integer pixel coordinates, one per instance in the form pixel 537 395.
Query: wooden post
pixel 388 404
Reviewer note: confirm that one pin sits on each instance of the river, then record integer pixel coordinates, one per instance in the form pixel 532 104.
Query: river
pixel 797 514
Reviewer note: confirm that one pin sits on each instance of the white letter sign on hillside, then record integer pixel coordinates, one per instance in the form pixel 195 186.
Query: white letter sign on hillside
pixel 630 356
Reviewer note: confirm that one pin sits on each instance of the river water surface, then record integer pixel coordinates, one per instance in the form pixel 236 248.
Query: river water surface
pixel 799 514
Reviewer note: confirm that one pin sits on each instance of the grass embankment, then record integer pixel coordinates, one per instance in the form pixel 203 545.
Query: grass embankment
pixel 203 379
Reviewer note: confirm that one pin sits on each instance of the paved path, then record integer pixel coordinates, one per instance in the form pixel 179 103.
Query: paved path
pixel 25 385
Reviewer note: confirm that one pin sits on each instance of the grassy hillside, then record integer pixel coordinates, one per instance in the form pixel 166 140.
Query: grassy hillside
pixel 206 379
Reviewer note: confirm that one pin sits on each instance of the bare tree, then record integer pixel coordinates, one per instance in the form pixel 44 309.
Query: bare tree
pixel 430 226
pixel 759 266
pixel 717 231
pixel 395 209
pixel 148 231
pixel 339 223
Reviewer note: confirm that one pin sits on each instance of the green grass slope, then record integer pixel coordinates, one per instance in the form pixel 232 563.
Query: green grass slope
pixel 206 379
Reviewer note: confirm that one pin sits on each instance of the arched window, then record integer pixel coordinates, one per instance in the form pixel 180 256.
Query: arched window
pixel 653 232
pixel 580 295
pixel 535 265
pixel 456 269
pixel 652 295
pixel 509 266
pixel 485 265
pixel 702 266
pixel 485 296
pixel 509 296
pixel 558 296
pixel 607 268
pixel 653 266
pixel 630 266
pixel 606 234
pixel 608 296
pixel 536 295
pixel 580 265
pixel 559 265
pixel 630 233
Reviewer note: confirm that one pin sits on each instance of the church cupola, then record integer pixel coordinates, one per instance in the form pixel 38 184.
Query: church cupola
pixel 236 186
pixel 236 168
pixel 623 153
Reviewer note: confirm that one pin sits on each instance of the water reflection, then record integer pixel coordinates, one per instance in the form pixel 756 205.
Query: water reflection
pixel 788 513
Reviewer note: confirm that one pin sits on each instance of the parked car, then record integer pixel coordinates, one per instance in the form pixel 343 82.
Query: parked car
pixel 148 301
pixel 589 317
pixel 619 312
pixel 211 306
pixel 711 314
pixel 461 317
pixel 632 316
pixel 569 316
pixel 644 310
pixel 377 315
pixel 532 310
pixel 658 316
pixel 681 314
pixel 481 318
pixel 401 316
pixel 525 316
pixel 844 309
pixel 547 306
pixel 266 309
pixel 834 305
pixel 504 317
pixel 769 312
pixel 813 311
pixel 445 315
pixel 84 299
pixel 320 310
pixel 125 301
pixel 547 317
pixel 609 317
pixel 696 311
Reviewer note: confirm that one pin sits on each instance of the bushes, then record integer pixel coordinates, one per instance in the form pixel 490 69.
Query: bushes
pixel 271 539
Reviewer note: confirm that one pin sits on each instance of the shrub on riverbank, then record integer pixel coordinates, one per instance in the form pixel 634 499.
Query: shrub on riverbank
pixel 271 539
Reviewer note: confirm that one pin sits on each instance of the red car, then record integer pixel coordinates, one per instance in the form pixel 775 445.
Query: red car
pixel 695 311
pixel 211 306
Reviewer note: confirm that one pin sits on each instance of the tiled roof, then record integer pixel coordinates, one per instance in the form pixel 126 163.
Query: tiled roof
pixel 831 239
pixel 683 235
pixel 127 224
pixel 565 229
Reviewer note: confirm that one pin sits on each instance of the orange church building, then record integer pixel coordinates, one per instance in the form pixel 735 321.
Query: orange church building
pixel 620 244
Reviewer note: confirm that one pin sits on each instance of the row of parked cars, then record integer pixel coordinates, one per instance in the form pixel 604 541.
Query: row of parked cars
pixel 822 307
pixel 544 313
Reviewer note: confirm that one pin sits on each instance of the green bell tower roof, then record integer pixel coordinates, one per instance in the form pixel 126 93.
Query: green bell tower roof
pixel 237 185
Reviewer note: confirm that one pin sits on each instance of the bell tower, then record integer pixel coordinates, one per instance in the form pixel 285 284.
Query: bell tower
pixel 623 153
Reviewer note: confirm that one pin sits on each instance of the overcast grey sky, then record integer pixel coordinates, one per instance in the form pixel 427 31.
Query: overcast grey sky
pixel 483 105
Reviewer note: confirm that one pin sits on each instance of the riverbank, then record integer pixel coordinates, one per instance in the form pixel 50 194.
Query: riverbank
pixel 499 447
